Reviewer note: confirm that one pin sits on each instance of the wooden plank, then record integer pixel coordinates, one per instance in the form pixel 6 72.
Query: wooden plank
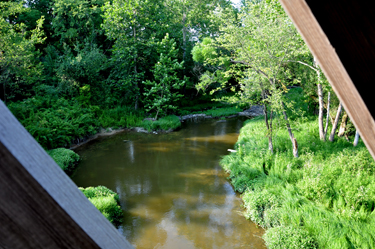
pixel 334 70
pixel 40 207
pixel 350 28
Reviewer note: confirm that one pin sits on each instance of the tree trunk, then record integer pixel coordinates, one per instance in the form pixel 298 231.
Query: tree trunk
pixel 321 109
pixel 269 128
pixel 184 31
pixel 321 104
pixel 356 138
pixel 343 125
pixel 327 119
pixel 291 136
pixel 334 127
pixel 135 67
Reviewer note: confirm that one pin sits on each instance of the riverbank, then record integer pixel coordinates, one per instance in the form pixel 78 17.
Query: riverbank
pixel 68 123
pixel 323 199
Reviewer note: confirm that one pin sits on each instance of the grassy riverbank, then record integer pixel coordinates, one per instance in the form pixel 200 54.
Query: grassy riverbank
pixel 323 199
pixel 60 122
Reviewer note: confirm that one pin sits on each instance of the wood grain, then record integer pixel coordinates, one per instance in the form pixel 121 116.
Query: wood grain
pixel 40 207
pixel 333 68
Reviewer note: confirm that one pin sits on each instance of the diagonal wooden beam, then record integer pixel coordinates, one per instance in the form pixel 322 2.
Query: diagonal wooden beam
pixel 333 68
pixel 40 207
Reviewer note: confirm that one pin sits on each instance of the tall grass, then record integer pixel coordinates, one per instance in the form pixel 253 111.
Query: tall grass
pixel 219 112
pixel 58 122
pixel 327 195
pixel 170 122
pixel 121 116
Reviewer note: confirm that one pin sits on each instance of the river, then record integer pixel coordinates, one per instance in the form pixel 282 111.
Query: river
pixel 173 192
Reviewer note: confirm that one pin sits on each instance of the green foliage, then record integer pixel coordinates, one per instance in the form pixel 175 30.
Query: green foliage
pixel 219 112
pixel 58 122
pixel 120 116
pixel 77 22
pixel 80 75
pixel 66 159
pixel 165 123
pixel 55 123
pixel 20 69
pixel 325 198
pixel 162 92
pixel 288 238
pixel 204 51
pixel 106 201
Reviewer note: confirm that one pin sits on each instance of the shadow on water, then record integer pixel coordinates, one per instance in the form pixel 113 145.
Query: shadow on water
pixel 172 189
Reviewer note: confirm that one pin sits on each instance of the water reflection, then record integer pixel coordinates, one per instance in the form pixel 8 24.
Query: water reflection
pixel 173 192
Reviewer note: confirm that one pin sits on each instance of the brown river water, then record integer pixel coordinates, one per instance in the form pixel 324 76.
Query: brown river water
pixel 173 192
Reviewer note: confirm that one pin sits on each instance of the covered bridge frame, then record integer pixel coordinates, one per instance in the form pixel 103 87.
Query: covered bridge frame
pixel 40 207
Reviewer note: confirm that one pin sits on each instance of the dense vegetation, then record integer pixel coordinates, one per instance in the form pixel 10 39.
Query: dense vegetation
pixel 106 201
pixel 322 199
pixel 66 159
pixel 71 68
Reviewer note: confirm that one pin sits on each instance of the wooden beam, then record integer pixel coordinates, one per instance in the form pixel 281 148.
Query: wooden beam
pixel 40 207
pixel 334 70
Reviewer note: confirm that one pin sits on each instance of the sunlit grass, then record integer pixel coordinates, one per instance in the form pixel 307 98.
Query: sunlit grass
pixel 326 197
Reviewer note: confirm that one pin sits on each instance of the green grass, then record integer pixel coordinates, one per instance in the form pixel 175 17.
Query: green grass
pixel 66 159
pixel 219 112
pixel 106 201
pixel 55 123
pixel 165 123
pixel 119 117
pixel 58 123
pixel 325 198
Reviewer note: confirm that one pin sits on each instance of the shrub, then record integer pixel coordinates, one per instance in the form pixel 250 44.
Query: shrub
pixel 106 201
pixel 65 158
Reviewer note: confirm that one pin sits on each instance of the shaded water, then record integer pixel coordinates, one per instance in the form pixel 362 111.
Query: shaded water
pixel 172 189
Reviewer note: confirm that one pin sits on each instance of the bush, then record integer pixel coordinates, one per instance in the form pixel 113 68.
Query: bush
pixel 66 159
pixel 106 201
pixel 288 238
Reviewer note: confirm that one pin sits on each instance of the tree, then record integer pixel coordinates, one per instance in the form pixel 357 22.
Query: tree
pixel 135 26
pixel 261 40
pixel 162 91
pixel 20 70
pixel 191 20
pixel 77 22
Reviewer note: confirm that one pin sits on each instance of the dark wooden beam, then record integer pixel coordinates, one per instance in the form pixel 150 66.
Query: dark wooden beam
pixel 333 67
pixel 40 207
pixel 350 28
